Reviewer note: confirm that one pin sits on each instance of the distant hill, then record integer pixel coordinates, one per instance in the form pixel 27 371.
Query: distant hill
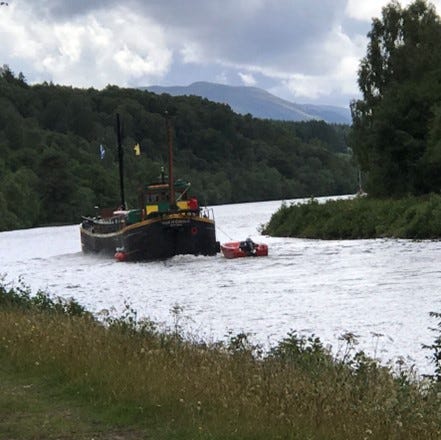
pixel 258 102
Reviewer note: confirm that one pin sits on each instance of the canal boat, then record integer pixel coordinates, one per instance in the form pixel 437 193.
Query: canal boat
pixel 168 221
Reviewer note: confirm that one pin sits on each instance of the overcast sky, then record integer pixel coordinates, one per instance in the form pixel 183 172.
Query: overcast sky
pixel 306 51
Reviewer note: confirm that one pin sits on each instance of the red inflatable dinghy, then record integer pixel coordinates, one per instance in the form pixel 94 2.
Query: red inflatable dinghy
pixel 247 248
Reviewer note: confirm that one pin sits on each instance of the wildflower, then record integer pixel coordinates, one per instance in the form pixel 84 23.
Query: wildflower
pixel 368 433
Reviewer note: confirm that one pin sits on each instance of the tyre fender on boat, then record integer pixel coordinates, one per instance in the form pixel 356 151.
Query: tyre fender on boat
pixel 120 256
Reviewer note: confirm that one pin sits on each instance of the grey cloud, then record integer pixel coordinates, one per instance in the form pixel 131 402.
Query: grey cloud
pixel 65 9
pixel 281 34
pixel 278 38
pixel 354 28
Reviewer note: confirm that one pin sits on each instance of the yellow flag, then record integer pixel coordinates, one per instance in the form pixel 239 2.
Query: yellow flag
pixel 137 149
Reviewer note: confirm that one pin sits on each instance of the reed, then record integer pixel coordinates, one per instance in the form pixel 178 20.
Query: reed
pixel 139 375
pixel 361 217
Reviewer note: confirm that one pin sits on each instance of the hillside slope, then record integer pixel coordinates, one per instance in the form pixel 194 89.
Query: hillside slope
pixel 258 102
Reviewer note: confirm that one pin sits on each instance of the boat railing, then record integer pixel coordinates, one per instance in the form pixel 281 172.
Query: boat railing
pixel 207 213
pixel 104 225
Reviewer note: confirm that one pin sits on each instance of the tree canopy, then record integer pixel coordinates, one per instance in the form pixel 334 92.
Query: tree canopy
pixel 51 171
pixel 397 123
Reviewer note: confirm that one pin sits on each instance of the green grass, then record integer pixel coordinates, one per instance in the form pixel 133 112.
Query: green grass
pixel 363 217
pixel 66 375
pixel 31 407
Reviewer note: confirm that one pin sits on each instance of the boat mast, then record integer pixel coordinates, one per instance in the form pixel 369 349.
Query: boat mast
pixel 171 185
pixel 121 161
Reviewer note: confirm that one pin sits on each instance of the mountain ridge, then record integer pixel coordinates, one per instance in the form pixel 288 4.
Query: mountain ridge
pixel 257 102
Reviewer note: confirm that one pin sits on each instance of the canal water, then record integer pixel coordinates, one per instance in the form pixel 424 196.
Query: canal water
pixel 381 290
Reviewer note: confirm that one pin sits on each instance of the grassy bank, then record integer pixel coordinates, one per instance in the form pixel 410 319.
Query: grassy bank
pixel 126 379
pixel 362 217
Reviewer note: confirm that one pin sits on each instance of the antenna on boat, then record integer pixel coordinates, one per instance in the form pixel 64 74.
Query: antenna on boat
pixel 121 161
pixel 171 185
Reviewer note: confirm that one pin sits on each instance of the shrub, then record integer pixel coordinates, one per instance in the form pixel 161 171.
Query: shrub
pixel 411 217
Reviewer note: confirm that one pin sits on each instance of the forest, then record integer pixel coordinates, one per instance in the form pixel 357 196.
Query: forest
pixel 52 172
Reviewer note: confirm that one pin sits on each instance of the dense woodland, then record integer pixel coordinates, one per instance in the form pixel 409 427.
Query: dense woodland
pixel 397 124
pixel 51 171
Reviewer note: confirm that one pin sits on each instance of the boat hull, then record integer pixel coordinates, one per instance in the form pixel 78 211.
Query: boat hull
pixel 157 238
pixel 233 250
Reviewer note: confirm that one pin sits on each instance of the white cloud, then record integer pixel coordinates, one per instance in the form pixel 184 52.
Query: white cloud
pixel 366 10
pixel 303 86
pixel 70 37
pixel 341 81
pixel 222 78
pixel 344 76
pixel 116 47
pixel 247 79
pixel 191 53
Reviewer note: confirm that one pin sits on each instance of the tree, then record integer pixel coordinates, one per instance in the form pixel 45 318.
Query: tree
pixel 20 192
pixel 57 186
pixel 399 82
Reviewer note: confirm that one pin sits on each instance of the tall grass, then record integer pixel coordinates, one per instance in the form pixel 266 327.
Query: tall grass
pixel 363 217
pixel 141 375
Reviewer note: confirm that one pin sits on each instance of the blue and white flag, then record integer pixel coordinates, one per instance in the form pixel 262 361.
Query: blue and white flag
pixel 102 152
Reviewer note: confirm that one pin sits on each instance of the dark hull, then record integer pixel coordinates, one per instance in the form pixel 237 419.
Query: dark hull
pixel 157 238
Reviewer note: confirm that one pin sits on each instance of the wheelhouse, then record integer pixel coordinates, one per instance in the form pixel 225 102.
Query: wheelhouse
pixel 157 199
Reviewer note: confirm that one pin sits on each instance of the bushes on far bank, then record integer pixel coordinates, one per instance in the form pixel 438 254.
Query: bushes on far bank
pixel 361 217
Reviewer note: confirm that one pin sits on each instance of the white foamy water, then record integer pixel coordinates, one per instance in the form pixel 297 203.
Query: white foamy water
pixel 380 290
